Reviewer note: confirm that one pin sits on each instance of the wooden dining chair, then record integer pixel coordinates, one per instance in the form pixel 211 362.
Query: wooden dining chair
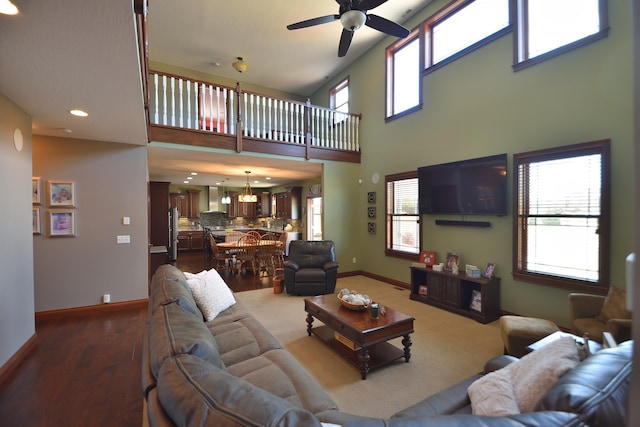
pixel 266 256
pixel 246 254
pixel 255 233
pixel 281 249
pixel 222 260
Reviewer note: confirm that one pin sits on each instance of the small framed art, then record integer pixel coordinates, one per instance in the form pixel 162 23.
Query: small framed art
pixel 35 220
pixel 488 270
pixel 371 196
pixel 62 223
pixel 423 290
pixel 36 190
pixel 428 257
pixel 476 301
pixel 371 212
pixel 371 227
pixel 61 194
pixel 452 261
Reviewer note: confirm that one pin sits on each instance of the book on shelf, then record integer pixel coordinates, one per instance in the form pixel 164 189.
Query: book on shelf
pixel 346 341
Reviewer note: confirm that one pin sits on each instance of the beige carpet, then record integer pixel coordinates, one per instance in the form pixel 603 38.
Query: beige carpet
pixel 446 349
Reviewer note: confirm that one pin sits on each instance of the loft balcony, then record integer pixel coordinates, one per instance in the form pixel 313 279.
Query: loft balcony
pixel 192 112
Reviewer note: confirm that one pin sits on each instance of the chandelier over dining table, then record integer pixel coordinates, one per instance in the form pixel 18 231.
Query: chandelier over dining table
pixel 248 196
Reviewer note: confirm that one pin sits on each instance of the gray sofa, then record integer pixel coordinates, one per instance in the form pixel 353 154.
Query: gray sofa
pixel 232 372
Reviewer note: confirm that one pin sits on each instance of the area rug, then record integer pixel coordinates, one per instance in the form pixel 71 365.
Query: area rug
pixel 447 348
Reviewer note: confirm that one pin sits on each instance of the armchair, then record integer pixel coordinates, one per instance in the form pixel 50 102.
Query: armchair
pixel 311 268
pixel 595 314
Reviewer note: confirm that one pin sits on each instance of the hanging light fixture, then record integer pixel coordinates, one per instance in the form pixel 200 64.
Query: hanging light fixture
pixel 353 19
pixel 240 66
pixel 248 196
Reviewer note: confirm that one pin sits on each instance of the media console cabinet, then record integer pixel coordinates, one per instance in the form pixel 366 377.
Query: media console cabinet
pixel 455 293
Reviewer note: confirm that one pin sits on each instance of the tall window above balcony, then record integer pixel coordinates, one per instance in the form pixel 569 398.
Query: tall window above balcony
pixel 548 28
pixel 339 96
pixel 404 92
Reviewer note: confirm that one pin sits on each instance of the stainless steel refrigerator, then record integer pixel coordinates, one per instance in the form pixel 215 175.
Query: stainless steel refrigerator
pixel 173 233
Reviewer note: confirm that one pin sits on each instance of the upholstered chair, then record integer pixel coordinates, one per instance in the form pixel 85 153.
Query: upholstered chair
pixel 311 268
pixel 595 314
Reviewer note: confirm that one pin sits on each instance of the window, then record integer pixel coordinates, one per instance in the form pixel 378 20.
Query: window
pixel 339 96
pixel 548 28
pixel 561 220
pixel 402 219
pixel 404 92
pixel 463 26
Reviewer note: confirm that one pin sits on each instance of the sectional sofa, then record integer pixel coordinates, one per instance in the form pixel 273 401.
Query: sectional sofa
pixel 228 370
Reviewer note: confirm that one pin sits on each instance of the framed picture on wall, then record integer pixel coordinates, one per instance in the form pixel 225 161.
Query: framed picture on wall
pixel 35 220
pixel 371 212
pixel 61 193
pixel 36 190
pixel 62 223
pixel 371 227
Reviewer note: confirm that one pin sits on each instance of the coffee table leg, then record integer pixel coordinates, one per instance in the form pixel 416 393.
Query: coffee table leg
pixel 406 342
pixel 364 362
pixel 309 323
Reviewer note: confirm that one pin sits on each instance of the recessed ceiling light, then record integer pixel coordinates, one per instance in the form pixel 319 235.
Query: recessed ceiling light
pixel 79 113
pixel 268 178
pixel 189 177
pixel 186 182
pixel 8 8
pixel 64 130
pixel 194 173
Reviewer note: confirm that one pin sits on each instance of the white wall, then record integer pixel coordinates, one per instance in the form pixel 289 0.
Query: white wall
pixel 16 256
pixel 111 183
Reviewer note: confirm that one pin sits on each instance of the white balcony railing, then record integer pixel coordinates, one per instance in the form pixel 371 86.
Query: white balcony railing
pixel 190 104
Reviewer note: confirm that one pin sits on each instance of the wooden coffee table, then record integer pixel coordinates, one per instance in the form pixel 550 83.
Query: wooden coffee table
pixel 368 336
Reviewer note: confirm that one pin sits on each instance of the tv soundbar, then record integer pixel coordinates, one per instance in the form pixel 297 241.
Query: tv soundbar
pixel 481 224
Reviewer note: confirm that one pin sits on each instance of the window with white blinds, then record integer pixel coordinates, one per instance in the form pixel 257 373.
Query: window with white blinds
pixel 562 214
pixel 402 217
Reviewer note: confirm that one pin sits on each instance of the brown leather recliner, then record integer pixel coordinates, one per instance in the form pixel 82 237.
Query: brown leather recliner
pixel 311 268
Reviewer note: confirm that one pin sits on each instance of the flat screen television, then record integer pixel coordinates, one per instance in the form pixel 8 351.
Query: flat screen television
pixel 468 187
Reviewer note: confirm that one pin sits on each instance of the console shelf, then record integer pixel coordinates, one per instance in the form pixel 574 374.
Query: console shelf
pixel 454 292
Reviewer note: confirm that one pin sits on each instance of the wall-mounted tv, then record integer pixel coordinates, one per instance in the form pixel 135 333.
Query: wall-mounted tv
pixel 468 187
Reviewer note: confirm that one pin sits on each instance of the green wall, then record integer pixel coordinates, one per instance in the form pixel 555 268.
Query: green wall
pixel 477 106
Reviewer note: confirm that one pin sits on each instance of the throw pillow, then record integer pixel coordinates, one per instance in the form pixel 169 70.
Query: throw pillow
pixel 493 395
pixel 519 386
pixel 537 371
pixel 211 293
pixel 614 306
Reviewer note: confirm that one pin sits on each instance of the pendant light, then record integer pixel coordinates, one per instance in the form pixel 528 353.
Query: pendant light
pixel 248 196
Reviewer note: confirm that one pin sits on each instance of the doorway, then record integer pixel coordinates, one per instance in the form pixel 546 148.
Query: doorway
pixel 314 218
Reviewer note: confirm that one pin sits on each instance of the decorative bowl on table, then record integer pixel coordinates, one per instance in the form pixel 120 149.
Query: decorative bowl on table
pixel 353 300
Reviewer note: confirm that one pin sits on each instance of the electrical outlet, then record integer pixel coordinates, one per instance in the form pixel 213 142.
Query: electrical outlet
pixel 354 260
pixel 123 239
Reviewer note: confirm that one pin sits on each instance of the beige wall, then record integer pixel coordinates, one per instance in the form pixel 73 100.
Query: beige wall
pixel 111 183
pixel 477 106
pixel 16 262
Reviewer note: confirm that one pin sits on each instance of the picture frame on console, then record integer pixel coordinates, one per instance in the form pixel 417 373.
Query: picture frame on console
pixel 452 259
pixel 476 301
pixel 488 270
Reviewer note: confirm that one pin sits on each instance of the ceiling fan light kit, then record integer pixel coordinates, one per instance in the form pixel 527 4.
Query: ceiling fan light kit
pixel 353 15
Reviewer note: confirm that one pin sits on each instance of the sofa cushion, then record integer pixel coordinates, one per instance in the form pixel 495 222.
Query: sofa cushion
pixel 311 275
pixel 196 393
pixel 242 339
pixel 527 380
pixel 169 285
pixel 175 331
pixel 614 306
pixel 279 373
pixel 598 388
pixel 211 293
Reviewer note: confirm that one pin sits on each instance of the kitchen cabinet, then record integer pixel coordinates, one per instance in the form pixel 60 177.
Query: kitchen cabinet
pixel 263 207
pixel 188 204
pixel 159 213
pixel 289 203
pixel 455 293
pixel 237 209
pixel 190 240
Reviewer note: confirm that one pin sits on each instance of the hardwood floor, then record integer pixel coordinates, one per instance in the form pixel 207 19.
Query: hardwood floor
pixel 86 370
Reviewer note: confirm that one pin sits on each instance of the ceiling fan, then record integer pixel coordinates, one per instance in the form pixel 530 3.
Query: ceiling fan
pixel 353 15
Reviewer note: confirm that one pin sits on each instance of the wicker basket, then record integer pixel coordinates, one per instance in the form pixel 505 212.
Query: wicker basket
pixel 354 307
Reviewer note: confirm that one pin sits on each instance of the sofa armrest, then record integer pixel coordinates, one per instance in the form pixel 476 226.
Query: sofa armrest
pixel 330 265
pixel 498 362
pixel 583 306
pixel 620 329
pixel 291 265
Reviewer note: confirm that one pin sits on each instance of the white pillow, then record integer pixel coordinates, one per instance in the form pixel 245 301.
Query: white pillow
pixel 210 292
pixel 520 385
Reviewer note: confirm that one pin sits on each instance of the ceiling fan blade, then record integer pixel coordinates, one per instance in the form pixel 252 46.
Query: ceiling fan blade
pixel 389 27
pixel 345 42
pixel 370 4
pixel 314 21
